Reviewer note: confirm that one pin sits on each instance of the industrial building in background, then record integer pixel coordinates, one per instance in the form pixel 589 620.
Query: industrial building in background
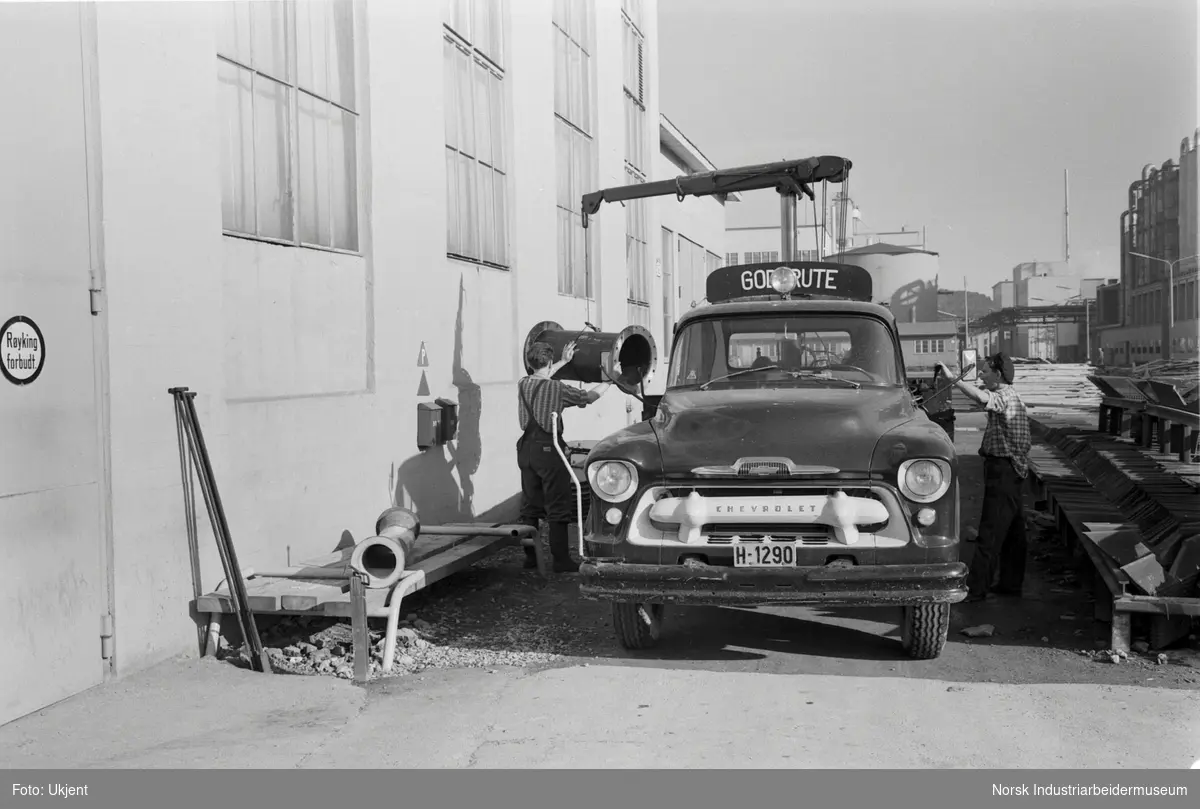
pixel 1151 312
pixel 329 220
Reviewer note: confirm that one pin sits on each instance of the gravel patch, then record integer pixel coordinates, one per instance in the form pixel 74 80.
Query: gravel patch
pixel 493 615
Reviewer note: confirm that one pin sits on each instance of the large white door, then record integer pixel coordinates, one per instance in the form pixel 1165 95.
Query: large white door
pixel 52 578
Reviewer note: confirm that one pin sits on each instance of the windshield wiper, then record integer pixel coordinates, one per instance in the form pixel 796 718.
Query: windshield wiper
pixel 822 377
pixel 737 373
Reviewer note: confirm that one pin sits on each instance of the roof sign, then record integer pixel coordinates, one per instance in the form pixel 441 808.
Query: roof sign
pixel 813 278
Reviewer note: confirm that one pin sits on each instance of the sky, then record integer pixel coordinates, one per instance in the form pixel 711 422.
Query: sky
pixel 959 116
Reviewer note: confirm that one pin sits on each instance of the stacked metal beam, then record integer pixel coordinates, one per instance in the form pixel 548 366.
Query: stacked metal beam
pixel 1137 492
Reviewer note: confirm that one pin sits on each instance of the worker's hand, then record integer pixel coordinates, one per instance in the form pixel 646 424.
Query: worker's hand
pixel 568 352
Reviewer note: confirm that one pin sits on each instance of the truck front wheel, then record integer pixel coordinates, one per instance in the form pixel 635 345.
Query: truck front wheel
pixel 924 630
pixel 638 626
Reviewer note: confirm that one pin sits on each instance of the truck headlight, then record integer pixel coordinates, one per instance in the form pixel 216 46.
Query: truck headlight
pixel 613 481
pixel 924 480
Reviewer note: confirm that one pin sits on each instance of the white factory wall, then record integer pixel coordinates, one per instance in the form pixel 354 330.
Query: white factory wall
pixel 766 239
pixel 697 229
pixel 304 360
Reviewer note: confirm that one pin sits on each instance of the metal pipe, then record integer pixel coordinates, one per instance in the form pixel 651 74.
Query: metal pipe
pixel 342 573
pixel 477 530
pixel 410 581
pixel 787 225
pixel 575 480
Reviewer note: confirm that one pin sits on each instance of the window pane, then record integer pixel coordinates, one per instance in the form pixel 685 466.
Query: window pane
pixel 562 66
pixel 575 87
pixel 343 147
pixel 270 38
pixel 453 243
pixel 500 192
pixel 482 22
pixel 486 200
pixel 562 154
pixel 499 127
pixel 312 46
pixel 314 170
pixel 467 207
pixel 483 119
pixel 341 54
pixel 237 149
pixel 460 19
pixel 233 29
pixel 466 118
pixel 564 251
pixel 496 43
pixel 583 282
pixel 585 92
pixel 450 91
pixel 272 162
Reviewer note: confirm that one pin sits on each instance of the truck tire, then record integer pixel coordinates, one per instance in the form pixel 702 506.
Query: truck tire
pixel 638 626
pixel 924 630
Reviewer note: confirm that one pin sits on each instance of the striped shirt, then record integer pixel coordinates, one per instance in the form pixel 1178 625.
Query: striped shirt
pixel 547 396
pixel 1007 434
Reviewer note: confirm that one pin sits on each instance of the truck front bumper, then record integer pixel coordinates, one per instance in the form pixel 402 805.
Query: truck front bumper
pixel 863 585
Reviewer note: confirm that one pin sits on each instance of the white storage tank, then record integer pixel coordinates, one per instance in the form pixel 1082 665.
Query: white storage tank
pixel 905 278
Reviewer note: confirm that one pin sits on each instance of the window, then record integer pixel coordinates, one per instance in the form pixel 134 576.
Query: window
pixel 810 350
pixel 731 259
pixel 634 52
pixel 574 124
pixel 763 257
pixel 637 256
pixel 289 122
pixel 477 218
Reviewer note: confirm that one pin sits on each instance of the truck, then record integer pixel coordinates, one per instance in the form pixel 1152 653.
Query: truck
pixel 786 461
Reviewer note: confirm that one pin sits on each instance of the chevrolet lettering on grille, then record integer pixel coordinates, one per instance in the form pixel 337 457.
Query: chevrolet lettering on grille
pixel 844 514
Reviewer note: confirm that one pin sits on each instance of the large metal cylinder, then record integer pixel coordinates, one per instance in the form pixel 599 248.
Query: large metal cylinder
pixel 627 357
pixel 382 558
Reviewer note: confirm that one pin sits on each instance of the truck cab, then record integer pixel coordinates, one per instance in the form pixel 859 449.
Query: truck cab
pixel 785 463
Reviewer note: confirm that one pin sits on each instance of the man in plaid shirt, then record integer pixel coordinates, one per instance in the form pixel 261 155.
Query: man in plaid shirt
pixel 1005 451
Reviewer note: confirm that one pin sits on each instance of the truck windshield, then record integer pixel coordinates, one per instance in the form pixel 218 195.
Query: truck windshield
pixel 785 350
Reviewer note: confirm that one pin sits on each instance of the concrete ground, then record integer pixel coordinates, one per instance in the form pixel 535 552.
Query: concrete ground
pixel 790 687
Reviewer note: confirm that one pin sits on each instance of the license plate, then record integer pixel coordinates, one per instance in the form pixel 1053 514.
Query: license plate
pixel 764 554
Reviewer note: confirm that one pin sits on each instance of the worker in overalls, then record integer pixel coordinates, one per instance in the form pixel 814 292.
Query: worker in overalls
pixel 547 485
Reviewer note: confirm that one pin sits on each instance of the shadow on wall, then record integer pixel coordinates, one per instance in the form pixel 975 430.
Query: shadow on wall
pixel 439 483
pixel 917 301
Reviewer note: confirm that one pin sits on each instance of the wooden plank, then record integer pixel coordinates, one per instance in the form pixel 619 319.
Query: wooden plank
pixel 301 597
pixel 358 625
pixel 1157 605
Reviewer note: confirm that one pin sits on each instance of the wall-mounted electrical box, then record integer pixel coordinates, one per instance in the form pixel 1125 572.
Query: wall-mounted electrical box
pixel 429 425
pixel 449 420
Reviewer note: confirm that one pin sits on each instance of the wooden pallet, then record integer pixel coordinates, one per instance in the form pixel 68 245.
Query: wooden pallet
pixel 435 556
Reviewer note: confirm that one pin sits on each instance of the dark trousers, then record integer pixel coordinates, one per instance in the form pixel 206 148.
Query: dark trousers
pixel 1001 542
pixel 547 491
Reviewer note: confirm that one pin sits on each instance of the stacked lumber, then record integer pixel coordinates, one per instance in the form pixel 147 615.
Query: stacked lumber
pixel 1050 387
pixel 1152 530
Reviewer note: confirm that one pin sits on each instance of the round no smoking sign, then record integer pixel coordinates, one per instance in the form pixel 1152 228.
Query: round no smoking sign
pixel 22 350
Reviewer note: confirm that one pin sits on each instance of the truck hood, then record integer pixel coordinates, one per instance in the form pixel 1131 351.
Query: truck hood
pixel 816 426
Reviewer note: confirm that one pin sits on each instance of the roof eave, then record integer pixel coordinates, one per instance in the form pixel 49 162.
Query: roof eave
pixel 671 137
